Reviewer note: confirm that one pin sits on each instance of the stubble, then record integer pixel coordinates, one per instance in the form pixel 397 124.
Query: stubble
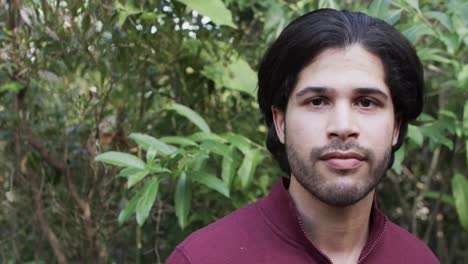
pixel 319 181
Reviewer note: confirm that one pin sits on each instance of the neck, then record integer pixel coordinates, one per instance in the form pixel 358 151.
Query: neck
pixel 324 223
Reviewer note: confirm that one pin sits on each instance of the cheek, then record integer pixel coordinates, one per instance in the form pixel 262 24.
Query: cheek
pixel 378 132
pixel 305 131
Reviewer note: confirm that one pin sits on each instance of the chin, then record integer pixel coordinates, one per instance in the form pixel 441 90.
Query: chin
pixel 341 191
pixel 342 197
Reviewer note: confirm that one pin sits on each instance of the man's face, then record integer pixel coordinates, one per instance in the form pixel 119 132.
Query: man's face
pixel 339 126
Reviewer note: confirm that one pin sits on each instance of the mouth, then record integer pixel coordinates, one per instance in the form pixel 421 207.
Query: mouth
pixel 343 160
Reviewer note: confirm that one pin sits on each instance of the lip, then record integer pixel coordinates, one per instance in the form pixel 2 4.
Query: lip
pixel 343 160
pixel 342 155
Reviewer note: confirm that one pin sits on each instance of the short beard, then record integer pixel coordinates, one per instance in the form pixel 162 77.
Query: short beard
pixel 316 183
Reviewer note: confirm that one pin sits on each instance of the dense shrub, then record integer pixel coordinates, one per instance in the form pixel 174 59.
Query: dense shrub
pixel 78 77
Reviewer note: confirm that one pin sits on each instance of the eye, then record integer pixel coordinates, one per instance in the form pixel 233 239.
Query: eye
pixel 366 103
pixel 317 101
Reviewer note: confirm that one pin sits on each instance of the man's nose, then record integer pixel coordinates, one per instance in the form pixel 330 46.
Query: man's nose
pixel 342 124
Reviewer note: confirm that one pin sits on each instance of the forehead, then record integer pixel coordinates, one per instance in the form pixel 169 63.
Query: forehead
pixel 344 70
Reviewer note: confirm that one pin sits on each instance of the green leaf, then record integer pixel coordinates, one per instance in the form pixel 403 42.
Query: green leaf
pixel 393 16
pixel 146 142
pixel 466 151
pixel 183 141
pixel 151 16
pixel 441 17
pixel 239 141
pixel 432 54
pixel 136 178
pixel 214 147
pixel 214 9
pixel 465 118
pixel 129 209
pixel 415 135
pixel 248 166
pixel 120 159
pixel 193 116
pixel 462 77
pixel 328 4
pixel 203 136
pixel 275 18
pixel 151 154
pixel 448 113
pixel 141 202
pixel 156 168
pixel 183 196
pixel 228 166
pixel 379 8
pixel 460 194
pixel 399 156
pixel 211 182
pixel 416 31
pixel 197 161
pixel 446 198
pixel 413 3
pixel 425 118
pixel 459 20
pixel 451 41
pixel 235 74
pixel 11 87
pixel 128 171
pixel 146 200
pixel 240 76
pixel 437 132
pixel 125 11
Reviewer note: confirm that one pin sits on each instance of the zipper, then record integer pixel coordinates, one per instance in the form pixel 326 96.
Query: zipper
pixel 310 240
pixel 329 260
pixel 373 245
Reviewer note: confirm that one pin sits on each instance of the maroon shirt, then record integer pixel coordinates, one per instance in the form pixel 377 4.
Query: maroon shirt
pixel 270 231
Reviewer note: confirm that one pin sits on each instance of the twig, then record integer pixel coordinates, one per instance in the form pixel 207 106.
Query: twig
pixel 399 193
pixel 49 233
pixel 42 150
pixel 434 163
pixel 419 197
pixel 432 219
pixel 138 244
pixel 158 221
pixel 33 180
pixel 63 167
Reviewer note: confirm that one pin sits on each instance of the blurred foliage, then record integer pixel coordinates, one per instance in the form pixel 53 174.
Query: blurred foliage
pixel 166 90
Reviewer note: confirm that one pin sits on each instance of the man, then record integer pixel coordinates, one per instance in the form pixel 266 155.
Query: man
pixel 337 90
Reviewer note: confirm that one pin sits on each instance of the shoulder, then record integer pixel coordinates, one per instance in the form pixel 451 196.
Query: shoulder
pixel 407 246
pixel 227 238
pixel 232 226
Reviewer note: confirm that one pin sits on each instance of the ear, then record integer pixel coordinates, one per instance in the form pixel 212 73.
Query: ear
pixel 278 120
pixel 396 129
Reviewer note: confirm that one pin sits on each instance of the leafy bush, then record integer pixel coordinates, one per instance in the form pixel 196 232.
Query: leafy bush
pixel 77 77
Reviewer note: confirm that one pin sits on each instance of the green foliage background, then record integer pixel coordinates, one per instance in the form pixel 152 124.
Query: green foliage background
pixel 78 77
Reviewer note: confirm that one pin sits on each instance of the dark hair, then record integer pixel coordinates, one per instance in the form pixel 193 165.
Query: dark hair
pixel 307 36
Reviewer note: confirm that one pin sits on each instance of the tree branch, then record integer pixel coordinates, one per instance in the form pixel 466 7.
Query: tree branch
pixel 45 227
pixel 43 151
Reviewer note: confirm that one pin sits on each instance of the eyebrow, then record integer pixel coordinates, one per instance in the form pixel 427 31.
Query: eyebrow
pixel 314 89
pixel 371 91
pixel 327 90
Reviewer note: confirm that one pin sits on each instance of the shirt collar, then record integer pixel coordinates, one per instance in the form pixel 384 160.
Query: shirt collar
pixel 281 213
